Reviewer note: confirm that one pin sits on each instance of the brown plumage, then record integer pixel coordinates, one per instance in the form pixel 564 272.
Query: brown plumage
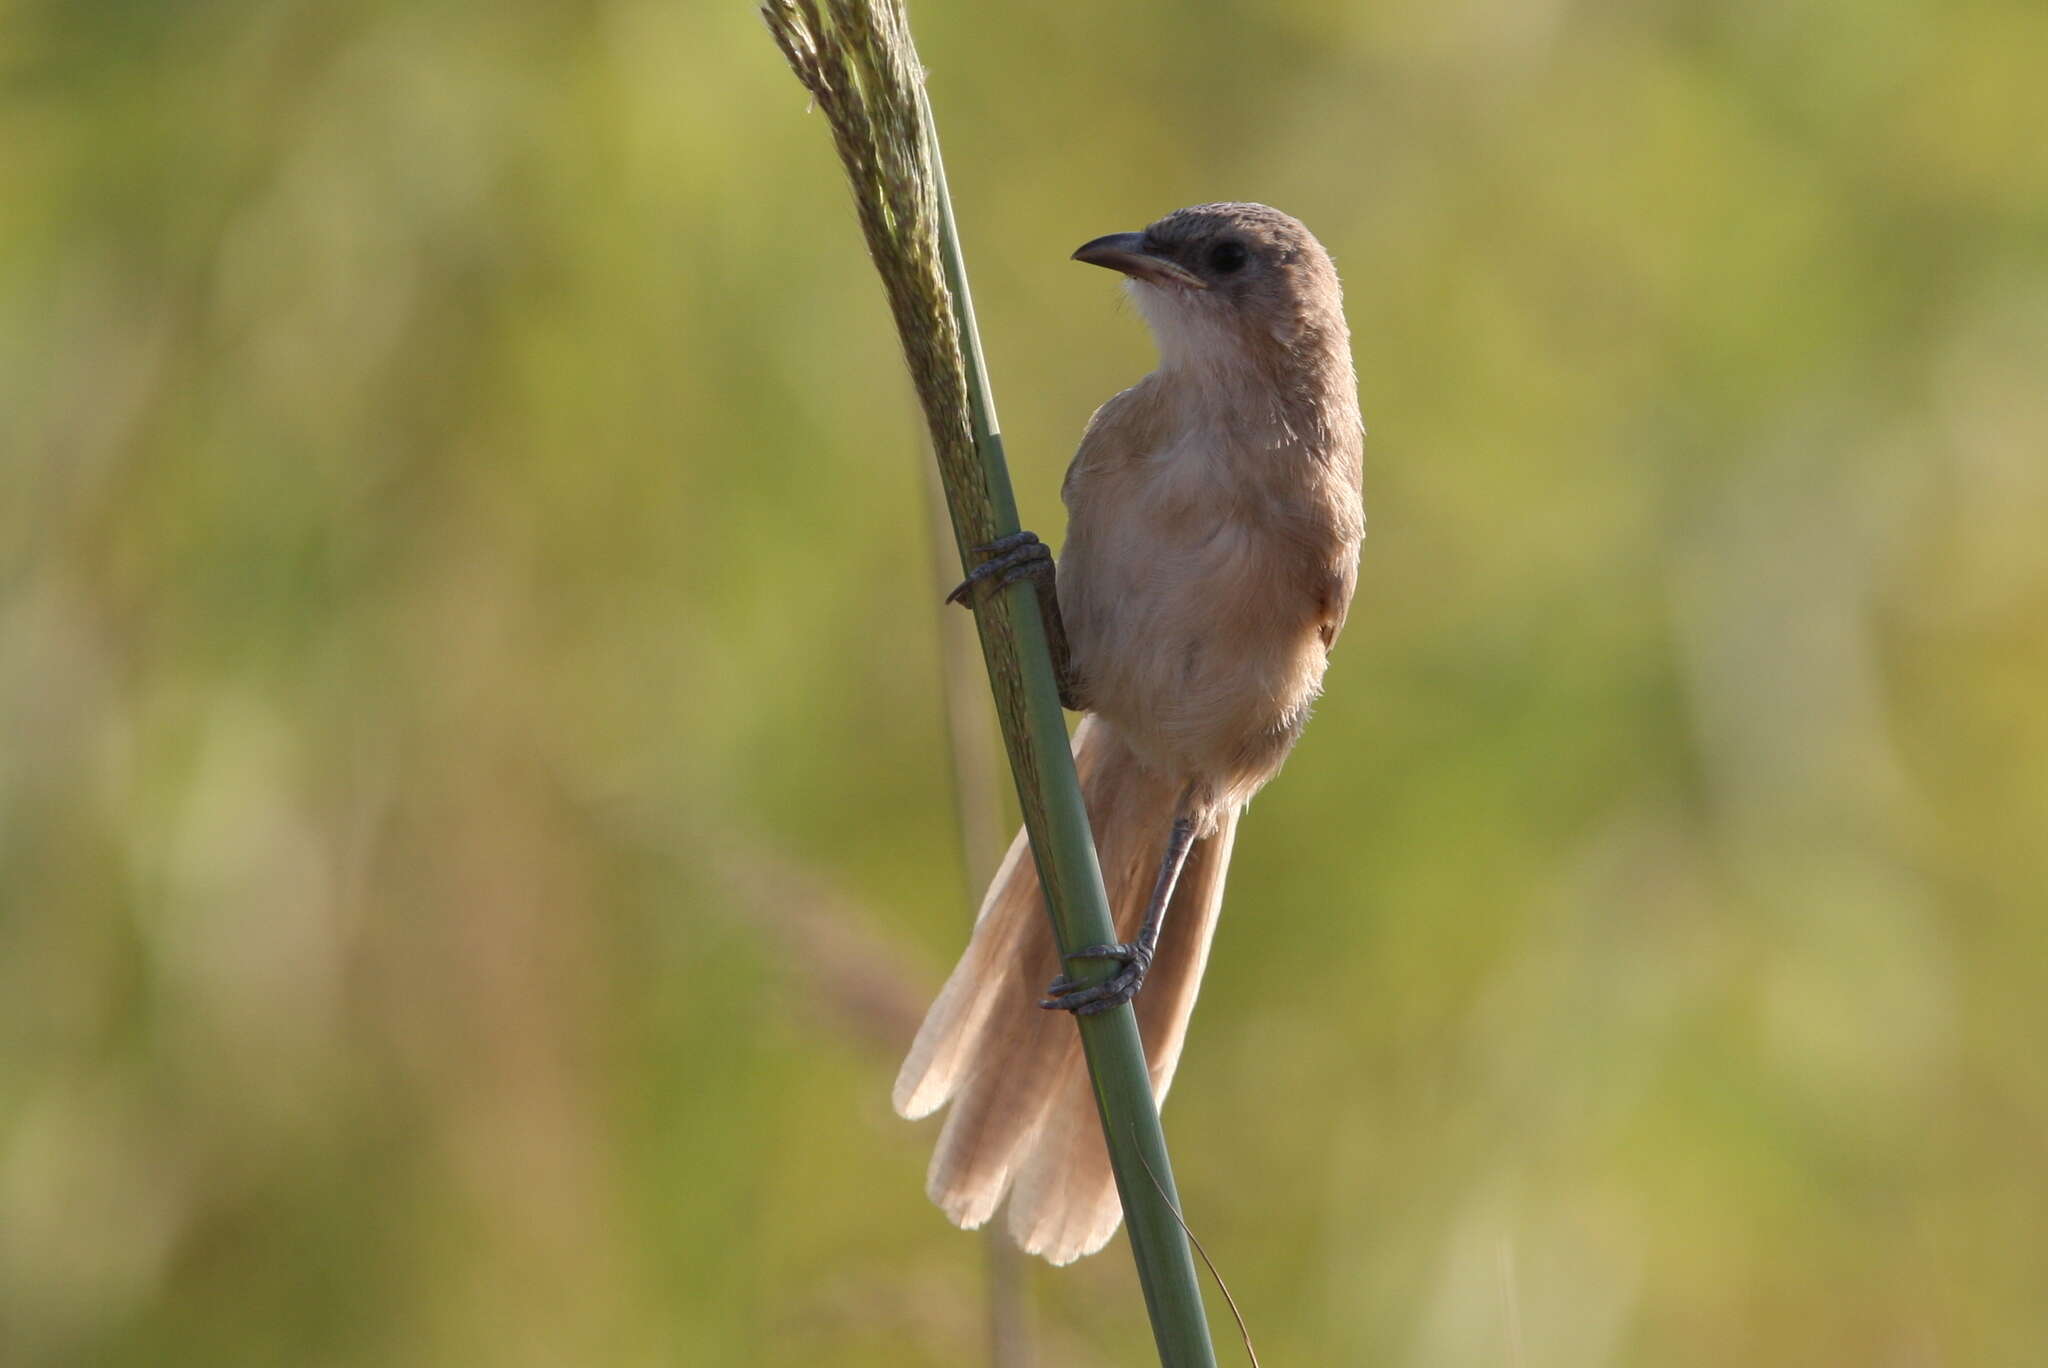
pixel 1212 546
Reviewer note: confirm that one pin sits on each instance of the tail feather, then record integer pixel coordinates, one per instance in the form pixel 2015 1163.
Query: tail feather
pixel 1023 1119
pixel 1003 935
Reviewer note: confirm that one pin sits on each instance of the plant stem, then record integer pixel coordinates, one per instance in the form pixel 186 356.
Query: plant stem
pixel 1034 731
pixel 857 59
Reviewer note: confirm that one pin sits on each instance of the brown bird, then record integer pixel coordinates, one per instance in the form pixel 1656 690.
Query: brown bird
pixel 1212 545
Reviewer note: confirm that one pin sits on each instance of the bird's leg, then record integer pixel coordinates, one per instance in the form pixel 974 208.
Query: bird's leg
pixel 1021 555
pixel 1135 957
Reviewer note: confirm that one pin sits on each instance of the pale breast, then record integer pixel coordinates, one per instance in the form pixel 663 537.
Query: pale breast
pixel 1191 601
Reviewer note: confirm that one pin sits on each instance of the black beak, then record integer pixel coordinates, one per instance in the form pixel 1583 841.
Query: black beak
pixel 1126 252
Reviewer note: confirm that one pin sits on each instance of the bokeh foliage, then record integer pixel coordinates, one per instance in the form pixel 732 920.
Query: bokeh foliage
pixel 474 832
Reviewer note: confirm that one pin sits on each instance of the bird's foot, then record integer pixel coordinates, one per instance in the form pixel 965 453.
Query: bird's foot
pixel 1086 999
pixel 1019 556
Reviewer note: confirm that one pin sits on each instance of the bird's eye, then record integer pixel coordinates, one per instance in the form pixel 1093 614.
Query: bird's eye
pixel 1226 257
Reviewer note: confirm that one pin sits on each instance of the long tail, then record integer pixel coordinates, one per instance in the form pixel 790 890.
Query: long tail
pixel 1023 1119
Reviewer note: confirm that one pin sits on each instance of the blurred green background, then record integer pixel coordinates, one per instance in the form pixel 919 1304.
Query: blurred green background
pixel 476 829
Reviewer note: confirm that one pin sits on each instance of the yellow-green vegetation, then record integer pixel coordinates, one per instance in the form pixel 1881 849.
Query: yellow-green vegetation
pixel 474 827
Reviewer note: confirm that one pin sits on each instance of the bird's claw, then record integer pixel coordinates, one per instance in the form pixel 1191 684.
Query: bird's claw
pixel 1021 555
pixel 1064 994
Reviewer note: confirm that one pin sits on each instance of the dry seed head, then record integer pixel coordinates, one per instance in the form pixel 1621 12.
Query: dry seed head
pixel 857 60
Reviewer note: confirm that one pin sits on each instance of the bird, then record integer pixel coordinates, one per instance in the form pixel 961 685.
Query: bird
pixel 1215 516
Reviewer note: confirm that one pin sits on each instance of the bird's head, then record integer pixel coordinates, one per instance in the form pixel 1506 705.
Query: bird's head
pixel 1227 284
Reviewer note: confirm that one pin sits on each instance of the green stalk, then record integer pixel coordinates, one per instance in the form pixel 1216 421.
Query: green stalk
pixel 857 60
